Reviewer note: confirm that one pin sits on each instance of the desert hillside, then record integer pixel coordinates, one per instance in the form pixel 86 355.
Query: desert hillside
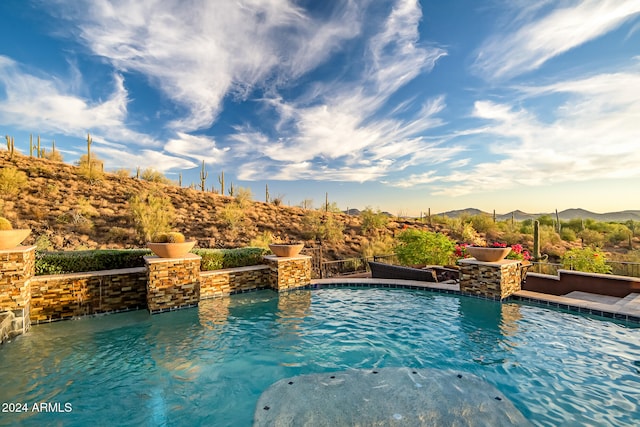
pixel 67 211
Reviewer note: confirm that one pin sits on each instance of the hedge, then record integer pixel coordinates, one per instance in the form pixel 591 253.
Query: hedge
pixel 215 259
pixel 61 262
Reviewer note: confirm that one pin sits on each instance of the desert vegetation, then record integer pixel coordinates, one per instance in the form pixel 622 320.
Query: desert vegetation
pixel 83 206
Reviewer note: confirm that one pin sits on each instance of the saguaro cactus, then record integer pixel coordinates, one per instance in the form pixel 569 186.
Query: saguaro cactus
pixel 203 177
pixel 89 141
pixel 31 145
pixel 221 181
pixel 266 193
pixel 180 179
pixel 536 240
pixel 39 151
pixel 11 145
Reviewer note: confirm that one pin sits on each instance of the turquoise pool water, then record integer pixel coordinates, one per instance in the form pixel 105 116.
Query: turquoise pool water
pixel 209 365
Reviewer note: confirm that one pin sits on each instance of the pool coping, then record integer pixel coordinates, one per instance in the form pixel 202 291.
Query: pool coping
pixel 626 311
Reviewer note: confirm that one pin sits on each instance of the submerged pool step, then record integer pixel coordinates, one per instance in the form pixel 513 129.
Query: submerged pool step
pixel 631 300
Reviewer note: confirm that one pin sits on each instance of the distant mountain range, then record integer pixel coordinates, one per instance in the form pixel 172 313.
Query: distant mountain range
pixel 565 215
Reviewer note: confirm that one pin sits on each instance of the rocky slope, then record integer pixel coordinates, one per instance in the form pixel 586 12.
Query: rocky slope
pixel 67 211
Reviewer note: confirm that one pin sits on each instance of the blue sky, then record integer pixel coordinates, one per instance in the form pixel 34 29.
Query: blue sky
pixel 398 105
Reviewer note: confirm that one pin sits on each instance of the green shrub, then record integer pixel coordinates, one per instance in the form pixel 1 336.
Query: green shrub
pixel 243 196
pixel 424 247
pixel 568 235
pixel 483 223
pixel 589 260
pixel 591 237
pixel 262 241
pixel 382 245
pixel 152 214
pixel 372 222
pixel 315 226
pixel 95 171
pixel 12 180
pixel 233 216
pixel 54 156
pixel 61 262
pixel 43 243
pixel 153 175
pixel 215 259
pixel 123 173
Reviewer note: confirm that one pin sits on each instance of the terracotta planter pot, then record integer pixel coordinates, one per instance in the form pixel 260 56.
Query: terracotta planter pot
pixel 12 238
pixel 286 250
pixel 171 250
pixel 488 254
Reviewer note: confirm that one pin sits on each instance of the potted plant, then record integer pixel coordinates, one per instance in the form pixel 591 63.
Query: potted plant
pixel 493 253
pixel 11 237
pixel 286 249
pixel 170 245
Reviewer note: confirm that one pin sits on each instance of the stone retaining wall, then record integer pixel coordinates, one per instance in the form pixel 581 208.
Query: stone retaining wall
pixel 229 281
pixel 495 280
pixel 63 296
pixel 164 284
pixel 172 283
pixel 17 267
pixel 287 273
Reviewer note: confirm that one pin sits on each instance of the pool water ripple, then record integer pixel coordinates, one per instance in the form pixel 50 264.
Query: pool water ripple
pixel 208 366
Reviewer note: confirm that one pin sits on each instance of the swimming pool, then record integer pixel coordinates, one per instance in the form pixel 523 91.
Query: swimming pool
pixel 209 365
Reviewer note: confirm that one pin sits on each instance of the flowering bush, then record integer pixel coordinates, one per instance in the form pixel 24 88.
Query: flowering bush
pixel 588 260
pixel 461 251
pixel 517 251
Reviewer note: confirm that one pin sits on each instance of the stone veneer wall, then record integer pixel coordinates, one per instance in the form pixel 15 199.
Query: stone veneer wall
pixel 288 273
pixel 172 283
pixel 63 296
pixel 496 280
pixel 164 284
pixel 17 267
pixel 229 281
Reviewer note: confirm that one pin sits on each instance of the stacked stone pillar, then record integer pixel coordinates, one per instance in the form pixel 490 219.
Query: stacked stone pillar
pixel 172 283
pixel 495 280
pixel 287 273
pixel 17 267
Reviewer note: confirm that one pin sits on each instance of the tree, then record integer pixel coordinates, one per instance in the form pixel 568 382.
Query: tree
pixel 424 247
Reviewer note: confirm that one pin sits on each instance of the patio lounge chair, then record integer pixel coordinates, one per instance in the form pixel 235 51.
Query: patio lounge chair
pixel 387 271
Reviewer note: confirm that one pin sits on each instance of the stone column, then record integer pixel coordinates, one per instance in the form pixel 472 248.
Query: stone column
pixel 286 273
pixel 172 283
pixel 495 280
pixel 17 267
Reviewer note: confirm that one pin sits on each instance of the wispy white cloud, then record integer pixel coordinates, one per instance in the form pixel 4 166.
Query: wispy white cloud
pixel 538 39
pixel 201 52
pixel 592 136
pixel 337 133
pixel 196 147
pixel 122 158
pixel 28 97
